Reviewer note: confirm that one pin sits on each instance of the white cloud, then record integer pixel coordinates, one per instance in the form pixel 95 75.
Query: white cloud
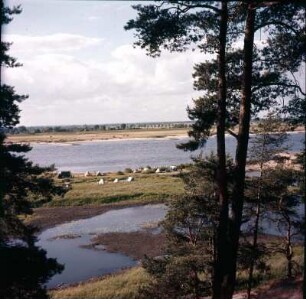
pixel 128 87
pixel 93 18
pixel 58 42
pixel 259 43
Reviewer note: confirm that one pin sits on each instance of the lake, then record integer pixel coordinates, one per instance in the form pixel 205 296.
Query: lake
pixel 114 155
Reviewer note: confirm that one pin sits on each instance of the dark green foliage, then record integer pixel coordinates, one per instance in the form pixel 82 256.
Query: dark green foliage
pixel 9 110
pixel 25 268
pixel 171 283
pixel 204 115
pixel 190 226
pixel 235 87
pixel 169 25
pixel 274 195
pixel 23 272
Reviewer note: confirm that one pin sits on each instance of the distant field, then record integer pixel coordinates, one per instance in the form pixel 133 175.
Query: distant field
pixel 97 135
pixel 63 137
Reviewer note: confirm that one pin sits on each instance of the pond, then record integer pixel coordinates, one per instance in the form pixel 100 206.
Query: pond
pixel 64 242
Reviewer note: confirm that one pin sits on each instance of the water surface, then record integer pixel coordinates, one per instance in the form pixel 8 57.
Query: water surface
pixel 82 263
pixel 117 155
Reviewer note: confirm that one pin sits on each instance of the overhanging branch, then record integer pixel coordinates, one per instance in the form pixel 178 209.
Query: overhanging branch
pixel 232 133
pixel 280 84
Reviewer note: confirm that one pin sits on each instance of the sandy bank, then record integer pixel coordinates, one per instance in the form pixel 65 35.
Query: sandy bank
pixel 76 137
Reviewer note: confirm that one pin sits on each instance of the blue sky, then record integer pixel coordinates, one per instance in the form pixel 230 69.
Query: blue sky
pixel 79 66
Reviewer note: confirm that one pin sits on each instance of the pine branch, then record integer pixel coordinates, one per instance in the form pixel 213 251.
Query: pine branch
pixel 232 133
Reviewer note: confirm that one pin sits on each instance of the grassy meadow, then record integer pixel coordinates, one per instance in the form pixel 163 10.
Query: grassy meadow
pixel 145 188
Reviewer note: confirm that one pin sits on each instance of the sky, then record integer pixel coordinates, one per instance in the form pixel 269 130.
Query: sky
pixel 80 66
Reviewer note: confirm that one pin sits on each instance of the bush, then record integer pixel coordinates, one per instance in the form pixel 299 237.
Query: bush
pixel 128 170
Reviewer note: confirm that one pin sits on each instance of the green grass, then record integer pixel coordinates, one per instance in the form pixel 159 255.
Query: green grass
pixel 126 285
pixel 146 188
pixel 120 286
pixel 277 264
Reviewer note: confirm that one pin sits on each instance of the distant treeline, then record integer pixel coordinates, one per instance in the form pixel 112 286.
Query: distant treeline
pixel 102 127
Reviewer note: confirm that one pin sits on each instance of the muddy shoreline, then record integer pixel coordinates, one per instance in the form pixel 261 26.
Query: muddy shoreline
pixel 136 245
pixel 48 217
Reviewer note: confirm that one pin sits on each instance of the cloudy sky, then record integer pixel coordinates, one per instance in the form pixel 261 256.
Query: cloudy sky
pixel 79 66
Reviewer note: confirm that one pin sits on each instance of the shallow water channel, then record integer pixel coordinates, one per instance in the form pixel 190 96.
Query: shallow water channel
pixel 64 242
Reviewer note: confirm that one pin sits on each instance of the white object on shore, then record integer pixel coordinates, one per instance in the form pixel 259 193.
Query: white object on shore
pixel 98 173
pixel 87 173
pixel 157 170
pixel 101 182
pixel 130 179
pixel 116 180
pixel 173 168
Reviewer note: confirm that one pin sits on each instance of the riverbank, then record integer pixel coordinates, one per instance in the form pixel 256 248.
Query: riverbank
pixel 86 136
pixel 125 284
pixel 48 217
pixel 76 137
pixel 135 244
pixel 86 198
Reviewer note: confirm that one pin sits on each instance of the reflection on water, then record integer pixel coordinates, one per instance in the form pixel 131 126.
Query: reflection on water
pixel 81 263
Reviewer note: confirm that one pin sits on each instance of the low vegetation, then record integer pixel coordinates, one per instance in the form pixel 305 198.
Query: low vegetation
pixel 122 285
pixel 145 188
pixel 126 284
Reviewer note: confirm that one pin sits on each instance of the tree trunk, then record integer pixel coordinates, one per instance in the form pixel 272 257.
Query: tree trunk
pixel 289 250
pixel 256 224
pixel 220 288
pixel 1 10
pixel 242 147
pixel 255 237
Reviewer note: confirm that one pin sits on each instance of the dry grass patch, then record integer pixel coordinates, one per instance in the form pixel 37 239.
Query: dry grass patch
pixel 124 285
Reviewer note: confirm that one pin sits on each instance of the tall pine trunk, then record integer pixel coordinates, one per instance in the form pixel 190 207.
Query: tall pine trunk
pixel 220 289
pixel 255 234
pixel 242 147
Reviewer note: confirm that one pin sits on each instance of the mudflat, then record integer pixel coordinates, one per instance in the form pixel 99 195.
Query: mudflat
pixel 67 137
pixel 47 217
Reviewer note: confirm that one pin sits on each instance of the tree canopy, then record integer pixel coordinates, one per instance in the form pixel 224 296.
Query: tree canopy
pixel 236 85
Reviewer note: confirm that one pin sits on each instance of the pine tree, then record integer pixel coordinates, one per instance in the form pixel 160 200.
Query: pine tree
pixel 253 81
pixel 265 147
pixel 190 225
pixel 24 266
